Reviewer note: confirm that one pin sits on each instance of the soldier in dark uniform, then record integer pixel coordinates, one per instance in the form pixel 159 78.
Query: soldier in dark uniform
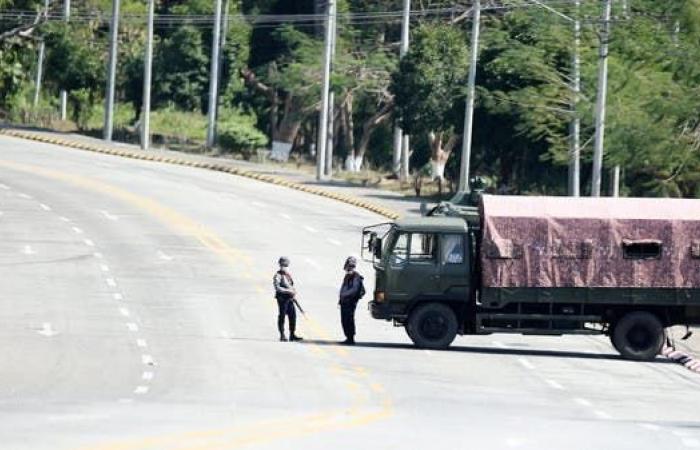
pixel 351 290
pixel 285 293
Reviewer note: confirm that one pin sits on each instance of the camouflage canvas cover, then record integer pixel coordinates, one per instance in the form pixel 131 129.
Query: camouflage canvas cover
pixel 590 242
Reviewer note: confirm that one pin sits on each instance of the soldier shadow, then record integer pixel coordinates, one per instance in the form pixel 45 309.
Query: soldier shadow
pixel 488 351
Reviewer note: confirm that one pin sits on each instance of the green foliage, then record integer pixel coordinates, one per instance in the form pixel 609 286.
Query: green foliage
pixel 237 131
pixel 180 74
pixel 429 83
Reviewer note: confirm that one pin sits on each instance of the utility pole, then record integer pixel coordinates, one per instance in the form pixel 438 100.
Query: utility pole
pixel 575 125
pixel 600 101
pixel 331 107
pixel 64 94
pixel 112 72
pixel 214 76
pixel 399 138
pixel 40 62
pixel 147 71
pixel 322 140
pixel 222 54
pixel 615 181
pixel 469 109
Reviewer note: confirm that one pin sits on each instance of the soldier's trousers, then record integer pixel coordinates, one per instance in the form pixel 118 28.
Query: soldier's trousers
pixel 347 319
pixel 286 308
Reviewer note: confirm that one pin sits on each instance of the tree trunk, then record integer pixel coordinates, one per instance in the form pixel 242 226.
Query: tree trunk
pixel 368 128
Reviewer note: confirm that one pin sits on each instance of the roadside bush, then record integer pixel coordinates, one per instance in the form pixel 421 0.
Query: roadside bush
pixel 21 108
pixel 237 132
pixel 181 125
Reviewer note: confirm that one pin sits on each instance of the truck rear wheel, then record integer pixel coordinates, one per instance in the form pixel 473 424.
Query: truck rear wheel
pixel 639 336
pixel 432 325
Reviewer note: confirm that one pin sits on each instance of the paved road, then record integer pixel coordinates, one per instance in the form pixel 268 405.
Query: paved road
pixel 136 313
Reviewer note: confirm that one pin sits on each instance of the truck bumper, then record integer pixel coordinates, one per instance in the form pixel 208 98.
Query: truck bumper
pixel 379 310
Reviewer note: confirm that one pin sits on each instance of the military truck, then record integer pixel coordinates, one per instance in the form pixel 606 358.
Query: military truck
pixel 623 267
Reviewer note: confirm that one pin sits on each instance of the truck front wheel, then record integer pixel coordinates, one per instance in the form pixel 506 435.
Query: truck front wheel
pixel 432 325
pixel 639 336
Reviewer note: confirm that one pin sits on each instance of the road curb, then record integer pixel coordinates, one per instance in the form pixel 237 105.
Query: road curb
pixel 271 179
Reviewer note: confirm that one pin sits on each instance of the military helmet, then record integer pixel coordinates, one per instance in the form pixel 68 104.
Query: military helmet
pixel 284 261
pixel 351 262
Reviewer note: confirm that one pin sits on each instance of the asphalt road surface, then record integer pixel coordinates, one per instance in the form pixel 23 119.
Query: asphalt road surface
pixel 136 312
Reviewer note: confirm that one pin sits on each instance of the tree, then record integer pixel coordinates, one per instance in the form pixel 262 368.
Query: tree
pixel 429 89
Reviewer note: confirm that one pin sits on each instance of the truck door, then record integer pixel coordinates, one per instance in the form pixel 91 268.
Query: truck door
pixel 454 267
pixel 414 271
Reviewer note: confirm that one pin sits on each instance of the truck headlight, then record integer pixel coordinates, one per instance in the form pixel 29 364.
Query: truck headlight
pixel 379 296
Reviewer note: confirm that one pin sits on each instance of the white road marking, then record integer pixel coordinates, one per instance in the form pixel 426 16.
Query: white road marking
pixel 108 215
pixel 554 384
pixel 164 256
pixel 527 364
pixel 126 400
pixel 650 426
pixel 104 267
pixel 124 312
pixel 499 344
pixel 583 401
pixel 28 250
pixel 224 334
pixel 285 216
pixel 681 433
pixel 132 326
pixel 89 243
pixel 690 442
pixel 45 207
pixel 65 219
pixel 25 196
pixel 259 204
pixel 141 343
pixel 77 230
pixel 148 360
pixel 312 263
pixel 515 442
pixel 118 296
pixel 46 330
pixel 335 242
pixel 110 282
pixel 602 414
pixel 147 376
pixel 310 229
pixel 141 390
pixel 4 186
pixel 98 255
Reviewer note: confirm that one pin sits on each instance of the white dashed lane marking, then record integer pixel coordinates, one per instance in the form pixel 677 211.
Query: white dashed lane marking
pixel 310 229
pixel 312 263
pixel 77 230
pixel 28 250
pixel 554 384
pixel 525 363
pixel 4 186
pixel 141 343
pixel 89 243
pixel 44 207
pixel 118 296
pixel 141 390
pixel 104 267
pixel 335 242
pixel 64 219
pixel 259 204
pixel 582 401
pixel 24 196
pixel 110 282
pixel 108 215
pixel 97 255
pixel 285 216
pixel 650 426
pixel 132 326
pixel 147 376
pixel 602 414
pixel 164 256
pixel 124 312
pixel 148 360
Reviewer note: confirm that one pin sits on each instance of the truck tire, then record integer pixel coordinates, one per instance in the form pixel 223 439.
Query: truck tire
pixel 432 326
pixel 639 336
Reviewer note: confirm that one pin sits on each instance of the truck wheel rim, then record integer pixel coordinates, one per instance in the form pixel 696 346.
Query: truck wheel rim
pixel 640 338
pixel 434 326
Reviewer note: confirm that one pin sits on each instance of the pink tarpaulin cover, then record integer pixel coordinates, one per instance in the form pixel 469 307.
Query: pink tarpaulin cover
pixel 590 242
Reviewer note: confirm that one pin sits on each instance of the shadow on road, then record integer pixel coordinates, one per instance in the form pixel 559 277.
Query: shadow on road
pixel 489 351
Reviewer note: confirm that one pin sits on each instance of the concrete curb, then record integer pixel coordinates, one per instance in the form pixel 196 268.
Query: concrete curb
pixel 271 179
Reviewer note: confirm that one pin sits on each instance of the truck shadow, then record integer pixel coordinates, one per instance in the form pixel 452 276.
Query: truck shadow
pixel 488 351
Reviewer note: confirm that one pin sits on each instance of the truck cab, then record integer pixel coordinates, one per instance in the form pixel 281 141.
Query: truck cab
pixel 424 266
